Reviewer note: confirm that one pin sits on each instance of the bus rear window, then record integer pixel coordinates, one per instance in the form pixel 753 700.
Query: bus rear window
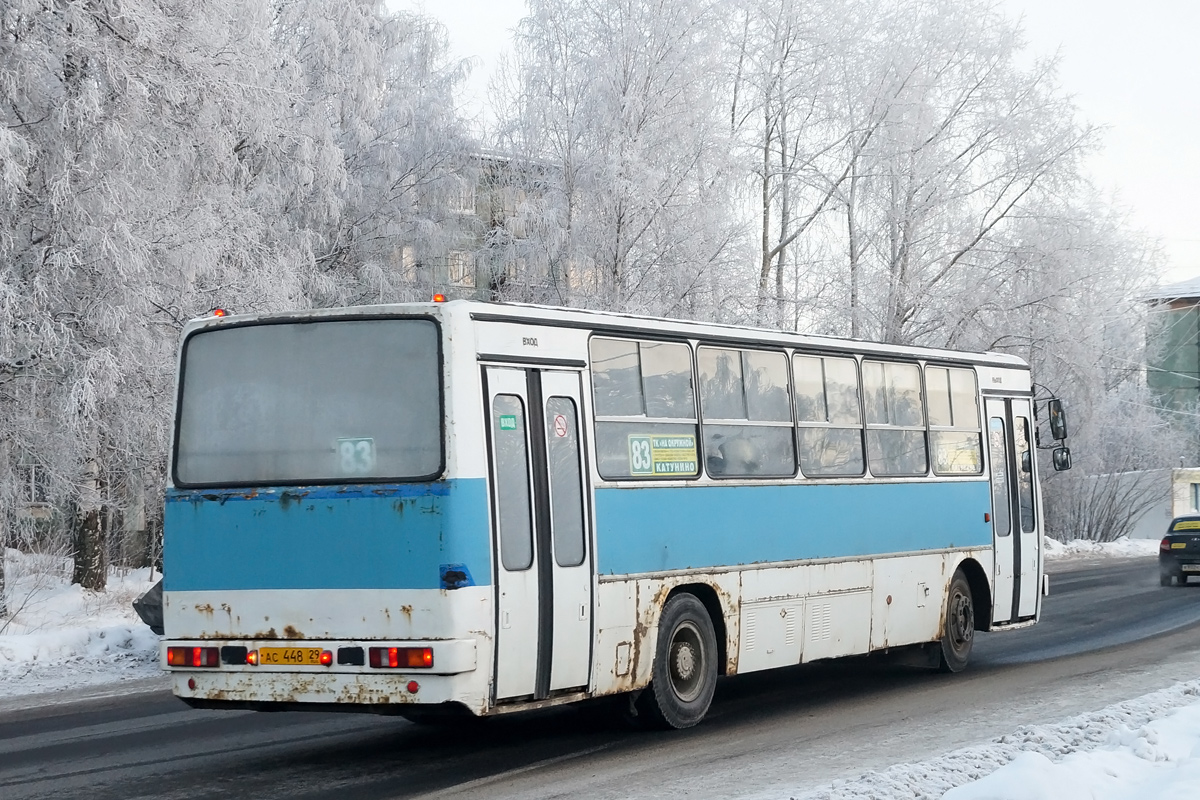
pixel 316 402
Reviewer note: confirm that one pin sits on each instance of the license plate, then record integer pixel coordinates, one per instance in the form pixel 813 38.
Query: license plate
pixel 290 656
pixel 1190 568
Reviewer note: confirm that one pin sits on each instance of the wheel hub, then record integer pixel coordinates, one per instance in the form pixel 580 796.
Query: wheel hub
pixel 962 624
pixel 684 661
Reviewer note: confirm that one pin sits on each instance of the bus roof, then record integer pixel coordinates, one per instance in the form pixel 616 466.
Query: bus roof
pixel 617 322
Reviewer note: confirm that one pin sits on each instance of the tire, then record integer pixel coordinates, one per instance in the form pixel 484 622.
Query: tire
pixel 958 625
pixel 1165 579
pixel 684 675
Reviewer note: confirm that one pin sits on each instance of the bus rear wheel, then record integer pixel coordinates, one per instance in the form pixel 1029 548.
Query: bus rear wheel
pixel 958 626
pixel 684 675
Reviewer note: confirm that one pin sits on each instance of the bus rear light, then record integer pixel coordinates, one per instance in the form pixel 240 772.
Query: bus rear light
pixel 401 657
pixel 193 656
pixel 252 658
pixel 413 687
pixel 326 658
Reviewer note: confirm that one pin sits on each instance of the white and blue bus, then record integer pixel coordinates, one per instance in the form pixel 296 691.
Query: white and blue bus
pixel 464 505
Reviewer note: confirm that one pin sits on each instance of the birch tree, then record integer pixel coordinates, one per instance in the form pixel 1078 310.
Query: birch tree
pixel 970 143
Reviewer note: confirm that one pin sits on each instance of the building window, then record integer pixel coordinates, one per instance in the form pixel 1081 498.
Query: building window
pixel 462 197
pixel 33 484
pixel 461 267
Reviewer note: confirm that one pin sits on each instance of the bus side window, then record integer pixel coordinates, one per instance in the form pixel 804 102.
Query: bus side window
pixel 746 413
pixel 828 416
pixel 895 419
pixel 954 434
pixel 645 409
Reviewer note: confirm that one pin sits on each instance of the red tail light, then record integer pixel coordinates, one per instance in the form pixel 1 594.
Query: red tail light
pixel 401 657
pixel 1165 544
pixel 326 658
pixel 193 656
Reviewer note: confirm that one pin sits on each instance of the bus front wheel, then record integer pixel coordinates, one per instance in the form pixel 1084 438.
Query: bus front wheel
pixel 958 627
pixel 684 675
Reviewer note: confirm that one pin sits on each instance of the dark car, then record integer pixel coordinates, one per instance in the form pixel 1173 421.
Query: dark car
pixel 1179 551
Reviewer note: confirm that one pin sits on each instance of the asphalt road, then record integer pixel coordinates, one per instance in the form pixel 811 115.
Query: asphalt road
pixel 1109 632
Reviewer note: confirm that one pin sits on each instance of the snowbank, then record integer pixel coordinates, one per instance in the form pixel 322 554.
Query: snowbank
pixel 60 636
pixel 1080 548
pixel 1147 747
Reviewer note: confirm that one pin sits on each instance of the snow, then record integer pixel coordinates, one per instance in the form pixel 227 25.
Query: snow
pixel 1148 747
pixel 60 636
pixel 1079 548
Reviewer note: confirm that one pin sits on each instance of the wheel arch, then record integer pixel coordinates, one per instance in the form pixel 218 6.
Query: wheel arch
pixel 707 595
pixel 981 592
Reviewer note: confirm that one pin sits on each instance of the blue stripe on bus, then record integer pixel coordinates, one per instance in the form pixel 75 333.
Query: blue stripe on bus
pixel 361 537
pixel 650 529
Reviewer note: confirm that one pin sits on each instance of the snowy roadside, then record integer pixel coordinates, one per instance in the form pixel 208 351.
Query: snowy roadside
pixel 60 637
pixel 1080 549
pixel 1143 748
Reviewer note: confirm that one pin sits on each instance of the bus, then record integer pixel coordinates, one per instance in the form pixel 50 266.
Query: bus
pixel 480 507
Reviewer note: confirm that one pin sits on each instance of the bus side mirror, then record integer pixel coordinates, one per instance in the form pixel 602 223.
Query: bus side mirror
pixel 1058 420
pixel 1061 458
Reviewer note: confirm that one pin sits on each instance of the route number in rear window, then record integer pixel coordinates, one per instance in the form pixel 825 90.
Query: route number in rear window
pixel 356 456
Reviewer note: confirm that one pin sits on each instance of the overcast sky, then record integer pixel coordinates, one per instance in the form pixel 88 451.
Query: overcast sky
pixel 1132 67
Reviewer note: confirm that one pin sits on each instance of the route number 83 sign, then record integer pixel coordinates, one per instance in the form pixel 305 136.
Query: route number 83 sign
pixel 356 456
pixel 662 455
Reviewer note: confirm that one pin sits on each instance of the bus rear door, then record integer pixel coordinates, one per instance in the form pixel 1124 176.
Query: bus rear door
pixel 541 529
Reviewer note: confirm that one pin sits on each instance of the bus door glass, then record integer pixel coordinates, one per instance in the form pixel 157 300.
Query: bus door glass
pixel 1025 519
pixel 539 496
pixel 1003 549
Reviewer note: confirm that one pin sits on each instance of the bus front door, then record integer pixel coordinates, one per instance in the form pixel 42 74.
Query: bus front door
pixel 540 519
pixel 1015 537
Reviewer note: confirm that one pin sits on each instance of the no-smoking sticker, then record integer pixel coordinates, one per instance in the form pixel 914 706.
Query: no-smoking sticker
pixel 560 426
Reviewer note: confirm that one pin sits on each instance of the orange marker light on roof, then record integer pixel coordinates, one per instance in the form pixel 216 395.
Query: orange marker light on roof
pixel 219 312
pixel 439 298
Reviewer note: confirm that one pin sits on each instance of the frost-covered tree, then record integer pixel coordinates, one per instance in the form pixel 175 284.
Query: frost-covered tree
pixel 972 143
pixel 161 158
pixel 617 108
pixel 380 157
